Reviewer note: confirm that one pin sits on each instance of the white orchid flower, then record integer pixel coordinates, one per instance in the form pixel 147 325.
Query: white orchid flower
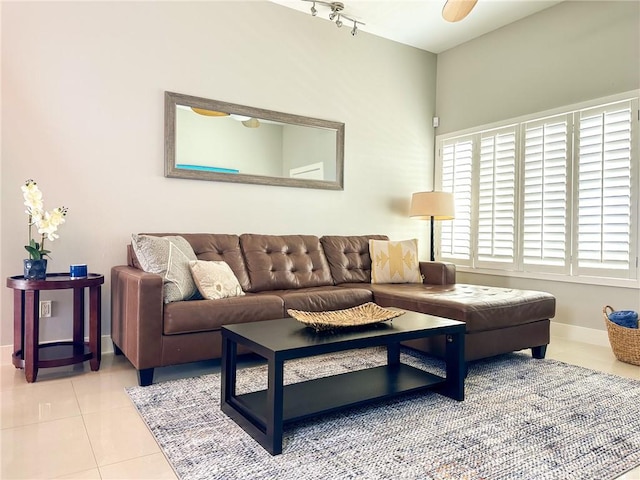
pixel 47 223
pixel 56 217
pixel 50 221
pixel 32 198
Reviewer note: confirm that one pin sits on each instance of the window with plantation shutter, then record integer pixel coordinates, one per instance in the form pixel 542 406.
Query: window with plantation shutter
pixel 555 195
pixel 604 190
pixel 497 198
pixel 455 235
pixel 545 232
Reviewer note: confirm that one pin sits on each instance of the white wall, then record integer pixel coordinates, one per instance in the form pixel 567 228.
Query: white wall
pixel 566 54
pixel 569 53
pixel 82 113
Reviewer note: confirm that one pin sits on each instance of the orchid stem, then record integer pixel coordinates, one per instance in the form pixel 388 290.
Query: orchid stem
pixel 30 225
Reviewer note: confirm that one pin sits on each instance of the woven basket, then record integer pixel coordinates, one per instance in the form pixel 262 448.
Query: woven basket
pixel 625 342
pixel 366 314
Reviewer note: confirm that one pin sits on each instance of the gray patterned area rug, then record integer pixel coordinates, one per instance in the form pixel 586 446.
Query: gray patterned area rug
pixel 522 419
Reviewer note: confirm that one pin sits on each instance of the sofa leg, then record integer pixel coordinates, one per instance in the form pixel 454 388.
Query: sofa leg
pixel 116 349
pixel 145 377
pixel 539 352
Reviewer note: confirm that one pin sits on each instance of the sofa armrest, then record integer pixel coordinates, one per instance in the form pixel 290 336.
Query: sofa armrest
pixel 438 273
pixel 137 315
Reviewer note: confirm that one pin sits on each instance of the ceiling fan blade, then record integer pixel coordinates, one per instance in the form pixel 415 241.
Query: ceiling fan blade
pixel 456 10
pixel 209 113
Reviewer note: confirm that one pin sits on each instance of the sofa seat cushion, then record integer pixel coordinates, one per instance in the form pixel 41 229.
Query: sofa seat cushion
pixel 205 315
pixel 481 308
pixel 322 299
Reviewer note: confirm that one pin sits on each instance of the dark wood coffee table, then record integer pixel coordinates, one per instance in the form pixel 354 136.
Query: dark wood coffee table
pixel 264 414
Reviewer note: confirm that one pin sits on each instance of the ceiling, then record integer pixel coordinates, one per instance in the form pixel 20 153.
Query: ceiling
pixel 419 23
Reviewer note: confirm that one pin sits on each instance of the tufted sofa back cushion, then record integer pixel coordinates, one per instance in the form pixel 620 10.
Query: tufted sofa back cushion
pixel 212 246
pixel 349 257
pixel 279 262
pixel 221 247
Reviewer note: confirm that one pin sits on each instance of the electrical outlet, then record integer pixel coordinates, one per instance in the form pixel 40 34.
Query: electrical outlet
pixel 45 308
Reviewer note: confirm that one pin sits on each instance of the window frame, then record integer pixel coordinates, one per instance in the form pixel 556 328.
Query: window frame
pixel 568 272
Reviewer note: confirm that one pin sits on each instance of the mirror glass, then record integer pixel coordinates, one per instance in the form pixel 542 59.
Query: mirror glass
pixel 213 140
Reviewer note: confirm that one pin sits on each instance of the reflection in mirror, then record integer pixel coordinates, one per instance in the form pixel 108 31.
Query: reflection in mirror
pixel 212 140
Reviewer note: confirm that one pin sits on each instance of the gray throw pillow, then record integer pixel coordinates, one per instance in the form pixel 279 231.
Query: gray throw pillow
pixel 169 257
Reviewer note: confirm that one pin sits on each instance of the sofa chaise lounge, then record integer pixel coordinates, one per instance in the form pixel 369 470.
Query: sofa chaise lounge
pixel 306 272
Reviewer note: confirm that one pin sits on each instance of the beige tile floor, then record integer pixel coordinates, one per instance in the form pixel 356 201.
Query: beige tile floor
pixel 74 423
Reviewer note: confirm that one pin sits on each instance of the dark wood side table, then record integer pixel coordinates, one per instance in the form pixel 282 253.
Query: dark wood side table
pixel 27 352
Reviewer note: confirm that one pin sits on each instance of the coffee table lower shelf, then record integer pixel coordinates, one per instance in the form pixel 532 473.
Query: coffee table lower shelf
pixel 324 395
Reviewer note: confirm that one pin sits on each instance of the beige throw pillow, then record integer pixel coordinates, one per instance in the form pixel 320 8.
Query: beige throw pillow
pixel 394 262
pixel 215 279
pixel 169 257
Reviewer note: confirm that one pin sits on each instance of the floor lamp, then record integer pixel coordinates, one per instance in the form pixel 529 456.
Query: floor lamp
pixel 433 206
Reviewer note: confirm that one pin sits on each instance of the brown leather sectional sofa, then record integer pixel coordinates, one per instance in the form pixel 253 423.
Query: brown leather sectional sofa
pixel 305 272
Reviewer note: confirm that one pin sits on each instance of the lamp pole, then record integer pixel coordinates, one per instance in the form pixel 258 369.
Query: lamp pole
pixel 433 236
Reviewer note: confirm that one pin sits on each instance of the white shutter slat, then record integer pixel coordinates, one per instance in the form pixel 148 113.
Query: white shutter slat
pixel 604 189
pixel 455 235
pixel 496 198
pixel 545 211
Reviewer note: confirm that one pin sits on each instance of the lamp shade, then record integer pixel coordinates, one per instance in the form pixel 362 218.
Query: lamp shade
pixel 439 205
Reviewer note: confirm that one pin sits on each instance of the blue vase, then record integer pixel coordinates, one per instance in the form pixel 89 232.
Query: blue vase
pixel 35 269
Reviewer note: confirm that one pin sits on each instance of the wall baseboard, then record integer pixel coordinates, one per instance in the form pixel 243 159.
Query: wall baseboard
pixel 7 350
pixel 574 333
pixel 564 331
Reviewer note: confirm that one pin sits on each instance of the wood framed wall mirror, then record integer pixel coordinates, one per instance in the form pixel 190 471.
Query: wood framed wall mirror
pixel 225 142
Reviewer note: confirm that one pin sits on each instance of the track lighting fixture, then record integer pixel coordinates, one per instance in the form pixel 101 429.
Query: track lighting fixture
pixel 335 7
pixel 336 14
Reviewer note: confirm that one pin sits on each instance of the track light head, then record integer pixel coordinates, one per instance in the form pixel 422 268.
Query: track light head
pixel 336 14
pixel 336 8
